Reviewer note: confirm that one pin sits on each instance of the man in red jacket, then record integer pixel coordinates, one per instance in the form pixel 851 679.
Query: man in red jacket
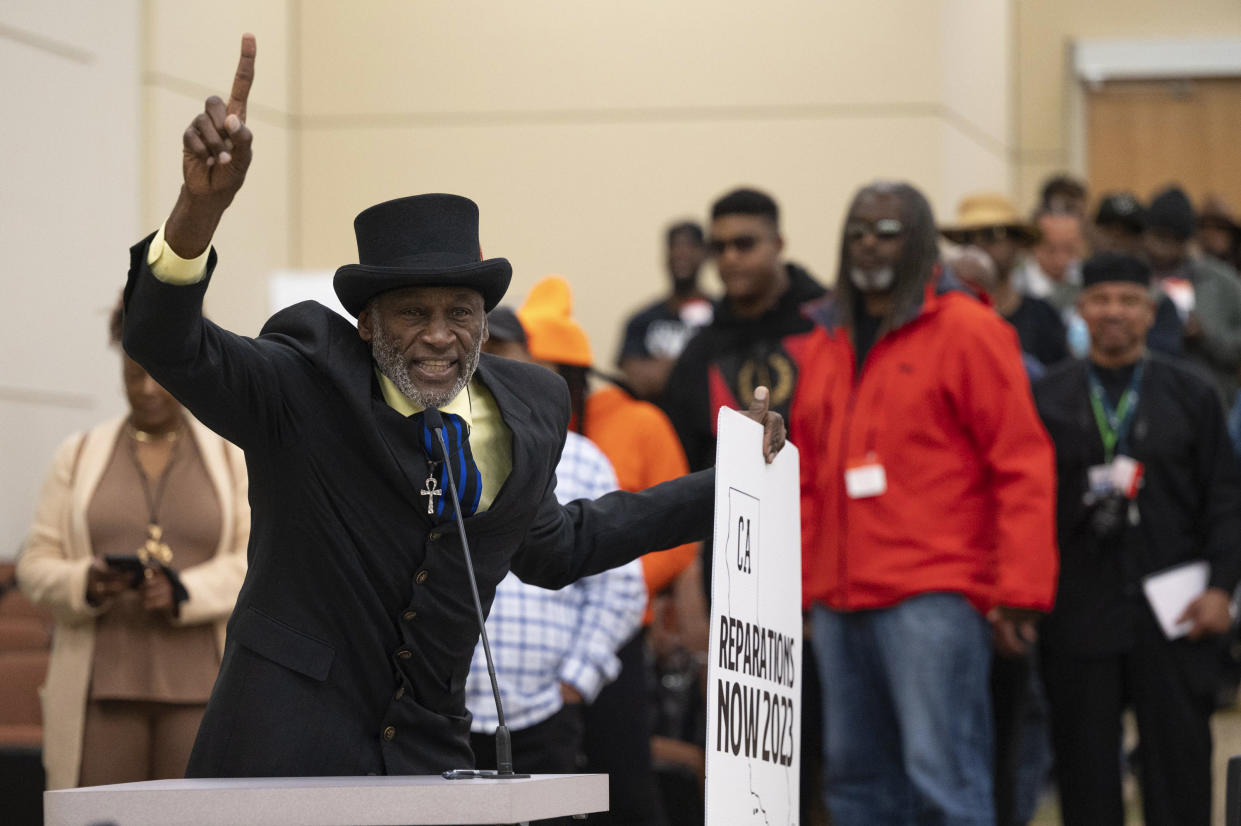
pixel 927 520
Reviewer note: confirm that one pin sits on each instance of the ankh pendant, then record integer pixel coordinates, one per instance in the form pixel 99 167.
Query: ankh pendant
pixel 431 490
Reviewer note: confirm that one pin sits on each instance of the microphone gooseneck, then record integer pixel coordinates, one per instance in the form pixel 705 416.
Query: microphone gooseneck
pixel 504 746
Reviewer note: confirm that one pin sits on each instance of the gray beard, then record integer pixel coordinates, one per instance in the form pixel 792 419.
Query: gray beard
pixel 873 281
pixel 392 364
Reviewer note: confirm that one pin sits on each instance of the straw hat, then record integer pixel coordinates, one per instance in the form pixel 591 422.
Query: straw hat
pixel 985 210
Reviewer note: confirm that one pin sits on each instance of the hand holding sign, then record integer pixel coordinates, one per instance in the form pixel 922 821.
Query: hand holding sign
pixel 774 432
pixel 754 661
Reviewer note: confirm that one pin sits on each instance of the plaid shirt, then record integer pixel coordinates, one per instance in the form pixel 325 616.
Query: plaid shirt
pixel 541 638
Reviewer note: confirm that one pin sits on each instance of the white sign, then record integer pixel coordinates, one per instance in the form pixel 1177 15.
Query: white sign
pixel 754 671
pixel 287 287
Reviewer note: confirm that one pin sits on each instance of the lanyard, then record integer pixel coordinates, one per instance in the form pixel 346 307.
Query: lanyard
pixel 1114 422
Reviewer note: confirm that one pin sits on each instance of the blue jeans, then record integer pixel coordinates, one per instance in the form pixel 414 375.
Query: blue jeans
pixel 907 713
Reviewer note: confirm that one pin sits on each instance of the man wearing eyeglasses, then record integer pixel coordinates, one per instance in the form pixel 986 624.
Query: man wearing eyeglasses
pixel 927 520
pixel 747 343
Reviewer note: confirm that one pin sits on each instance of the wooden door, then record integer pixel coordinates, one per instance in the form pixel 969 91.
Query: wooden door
pixel 1143 135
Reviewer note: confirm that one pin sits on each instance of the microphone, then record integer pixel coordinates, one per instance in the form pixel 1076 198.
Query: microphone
pixel 504 743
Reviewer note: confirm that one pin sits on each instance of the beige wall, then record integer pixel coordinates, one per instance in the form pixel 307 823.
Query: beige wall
pixel 71 144
pixel 190 52
pixel 582 128
pixel 977 100
pixel 1046 28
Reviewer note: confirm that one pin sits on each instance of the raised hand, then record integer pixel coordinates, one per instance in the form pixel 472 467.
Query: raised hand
pixel 215 155
pixel 216 145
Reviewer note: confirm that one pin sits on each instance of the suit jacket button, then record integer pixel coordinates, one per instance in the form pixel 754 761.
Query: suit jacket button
pixel 390 733
pixel 409 615
pixel 422 577
pixel 405 653
pixel 400 692
pixel 434 535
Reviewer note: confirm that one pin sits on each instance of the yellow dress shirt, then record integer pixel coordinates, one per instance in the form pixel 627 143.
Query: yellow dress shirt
pixel 491 440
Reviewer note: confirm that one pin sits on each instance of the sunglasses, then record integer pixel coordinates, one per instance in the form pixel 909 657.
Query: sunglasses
pixel 741 243
pixel 986 235
pixel 885 229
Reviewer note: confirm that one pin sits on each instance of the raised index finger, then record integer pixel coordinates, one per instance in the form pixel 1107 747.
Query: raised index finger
pixel 243 79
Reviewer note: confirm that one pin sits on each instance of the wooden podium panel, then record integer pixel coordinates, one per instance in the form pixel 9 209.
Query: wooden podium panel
pixel 327 801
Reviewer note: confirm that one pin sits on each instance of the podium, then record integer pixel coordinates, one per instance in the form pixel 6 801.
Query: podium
pixel 328 801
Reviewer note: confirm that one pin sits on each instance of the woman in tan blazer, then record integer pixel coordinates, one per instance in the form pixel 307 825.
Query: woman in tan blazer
pixel 138 635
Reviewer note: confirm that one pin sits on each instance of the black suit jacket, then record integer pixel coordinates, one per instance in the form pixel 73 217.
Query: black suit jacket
pixel 1189 505
pixel 351 640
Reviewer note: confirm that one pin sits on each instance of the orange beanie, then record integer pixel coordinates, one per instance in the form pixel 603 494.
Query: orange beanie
pixel 554 335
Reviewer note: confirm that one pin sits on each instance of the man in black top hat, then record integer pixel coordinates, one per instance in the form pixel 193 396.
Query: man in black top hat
pixel 1205 291
pixel 1146 482
pixel 352 636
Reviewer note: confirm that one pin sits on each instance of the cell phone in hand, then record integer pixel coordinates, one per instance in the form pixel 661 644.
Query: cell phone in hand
pixel 126 564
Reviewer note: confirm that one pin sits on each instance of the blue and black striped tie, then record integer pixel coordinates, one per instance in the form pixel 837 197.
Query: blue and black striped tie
pixel 464 470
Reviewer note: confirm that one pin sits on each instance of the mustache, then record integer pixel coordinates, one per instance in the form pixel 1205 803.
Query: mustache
pixel 393 364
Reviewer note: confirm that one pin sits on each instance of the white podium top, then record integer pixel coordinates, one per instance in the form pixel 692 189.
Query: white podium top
pixel 327 801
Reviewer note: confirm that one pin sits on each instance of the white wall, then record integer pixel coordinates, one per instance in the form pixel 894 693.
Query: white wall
pixel 71 144
pixel 583 128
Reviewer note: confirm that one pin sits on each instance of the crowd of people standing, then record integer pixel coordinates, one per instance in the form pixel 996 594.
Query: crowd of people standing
pixel 1047 402
pixel 1009 427
pixel 1020 503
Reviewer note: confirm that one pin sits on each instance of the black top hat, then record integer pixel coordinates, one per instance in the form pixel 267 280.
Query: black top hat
pixel 419 241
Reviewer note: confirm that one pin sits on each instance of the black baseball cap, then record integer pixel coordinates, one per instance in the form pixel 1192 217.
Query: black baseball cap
pixel 1121 208
pixel 504 325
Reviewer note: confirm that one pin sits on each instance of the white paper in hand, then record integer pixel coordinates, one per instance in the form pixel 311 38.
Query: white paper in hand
pixel 1169 593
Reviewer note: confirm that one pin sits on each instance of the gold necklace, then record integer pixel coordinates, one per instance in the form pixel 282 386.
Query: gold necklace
pixel 154 549
pixel 146 437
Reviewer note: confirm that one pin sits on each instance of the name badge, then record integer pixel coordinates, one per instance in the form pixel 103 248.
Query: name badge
pixel 865 478
pixel 1122 476
pixel 1100 479
pixel 1127 476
